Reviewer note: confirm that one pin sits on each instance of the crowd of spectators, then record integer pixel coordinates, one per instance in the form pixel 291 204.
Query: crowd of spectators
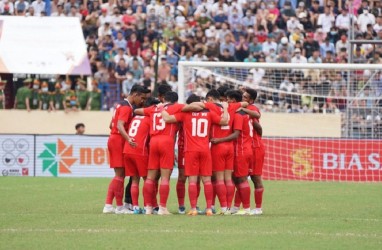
pixel 123 37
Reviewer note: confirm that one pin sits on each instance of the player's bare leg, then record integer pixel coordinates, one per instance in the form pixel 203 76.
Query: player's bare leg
pixel 164 191
pixel 181 190
pixel 221 190
pixel 258 193
pixel 244 192
pixel 115 190
pixel 149 190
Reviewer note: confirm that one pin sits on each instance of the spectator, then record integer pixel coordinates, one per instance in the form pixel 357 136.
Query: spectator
pixel 133 46
pixel 378 26
pixel 38 7
pixel 121 71
pixel 298 58
pixel 249 19
pixel 69 4
pixel 59 11
pixel 315 58
pixel 80 129
pixel 343 43
pixel 328 57
pixel 226 56
pixel 364 19
pixel 315 11
pixel 58 97
pixel 327 46
pixel 271 57
pixel 309 46
pixel 220 18
pixel 255 47
pixel 136 70
pixel 269 45
pixel 164 70
pixel 358 57
pixel 292 23
pixel 284 44
pixel 283 57
pixel 3 83
pixel 343 21
pixel 34 104
pixel 94 102
pixel 241 49
pixel 23 96
pixel 82 94
pixel 326 20
pixel 120 42
pixel 320 36
pixel 21 7
pixel 199 56
pixel 227 44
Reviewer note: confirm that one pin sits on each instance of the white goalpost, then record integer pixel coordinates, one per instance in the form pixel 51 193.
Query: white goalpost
pixel 320 121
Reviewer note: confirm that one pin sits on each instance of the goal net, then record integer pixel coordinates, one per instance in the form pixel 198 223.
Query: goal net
pixel 321 122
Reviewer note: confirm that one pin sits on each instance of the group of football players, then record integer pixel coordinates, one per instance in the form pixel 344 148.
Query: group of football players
pixel 219 144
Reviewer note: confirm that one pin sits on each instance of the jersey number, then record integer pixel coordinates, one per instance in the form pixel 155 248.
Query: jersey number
pixel 134 128
pixel 250 124
pixel 199 127
pixel 161 124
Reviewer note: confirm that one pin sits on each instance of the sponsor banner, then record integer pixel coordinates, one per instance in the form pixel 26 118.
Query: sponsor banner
pixel 323 159
pixel 72 156
pixel 16 155
pixel 55 45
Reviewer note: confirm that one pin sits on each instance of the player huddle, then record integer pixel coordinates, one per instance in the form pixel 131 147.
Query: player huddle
pixel 219 144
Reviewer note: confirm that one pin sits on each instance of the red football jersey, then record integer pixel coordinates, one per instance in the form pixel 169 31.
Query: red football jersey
pixel 243 144
pixel 220 131
pixel 139 131
pixel 123 111
pixel 157 125
pixel 196 128
pixel 181 139
pixel 257 142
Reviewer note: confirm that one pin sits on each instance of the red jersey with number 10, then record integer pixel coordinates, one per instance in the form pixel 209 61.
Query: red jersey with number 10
pixel 157 124
pixel 123 111
pixel 220 131
pixel 196 128
pixel 138 131
pixel 243 144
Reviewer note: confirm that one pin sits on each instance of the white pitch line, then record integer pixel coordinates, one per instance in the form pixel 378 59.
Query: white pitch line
pixel 172 231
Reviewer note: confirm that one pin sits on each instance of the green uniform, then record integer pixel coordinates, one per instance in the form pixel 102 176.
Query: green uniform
pixel 96 100
pixel 58 98
pixel 21 95
pixel 45 98
pixel 2 101
pixel 82 97
pixel 33 101
pixel 69 100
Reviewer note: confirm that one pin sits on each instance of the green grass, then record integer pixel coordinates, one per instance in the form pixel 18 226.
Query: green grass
pixel 60 213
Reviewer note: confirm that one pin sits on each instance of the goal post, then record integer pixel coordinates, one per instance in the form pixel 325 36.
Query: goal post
pixel 320 121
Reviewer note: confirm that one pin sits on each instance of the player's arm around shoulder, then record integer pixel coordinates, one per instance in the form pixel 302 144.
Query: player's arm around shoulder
pixel 252 112
pixel 225 117
pixel 168 118
pixel 193 107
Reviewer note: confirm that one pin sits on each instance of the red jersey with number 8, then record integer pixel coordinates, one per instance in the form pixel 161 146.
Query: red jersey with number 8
pixel 139 132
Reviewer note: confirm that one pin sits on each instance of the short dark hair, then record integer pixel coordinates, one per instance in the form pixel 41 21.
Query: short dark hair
pixel 171 97
pixel 193 98
pixel 151 101
pixel 222 90
pixel 214 94
pixel 252 93
pixel 234 94
pixel 139 89
pixel 78 125
pixel 163 89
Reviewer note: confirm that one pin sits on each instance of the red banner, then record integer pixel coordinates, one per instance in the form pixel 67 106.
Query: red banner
pixel 322 159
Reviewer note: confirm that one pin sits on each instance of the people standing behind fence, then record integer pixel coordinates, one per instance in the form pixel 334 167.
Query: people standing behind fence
pixel 23 95
pixel 34 94
pixel 2 94
pixel 94 102
pixel 82 94
pixel 45 98
pixel 58 97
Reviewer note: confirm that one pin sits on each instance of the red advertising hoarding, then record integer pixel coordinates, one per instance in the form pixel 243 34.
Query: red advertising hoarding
pixel 322 159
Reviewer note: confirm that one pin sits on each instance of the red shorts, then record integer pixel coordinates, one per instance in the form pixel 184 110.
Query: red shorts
pixel 136 165
pixel 222 155
pixel 115 146
pixel 161 153
pixel 197 164
pixel 258 161
pixel 242 166
pixel 181 159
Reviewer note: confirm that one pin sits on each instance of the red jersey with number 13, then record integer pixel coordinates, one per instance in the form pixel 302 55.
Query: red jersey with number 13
pixel 157 125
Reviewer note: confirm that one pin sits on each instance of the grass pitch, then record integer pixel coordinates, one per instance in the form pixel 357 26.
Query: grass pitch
pixel 60 213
